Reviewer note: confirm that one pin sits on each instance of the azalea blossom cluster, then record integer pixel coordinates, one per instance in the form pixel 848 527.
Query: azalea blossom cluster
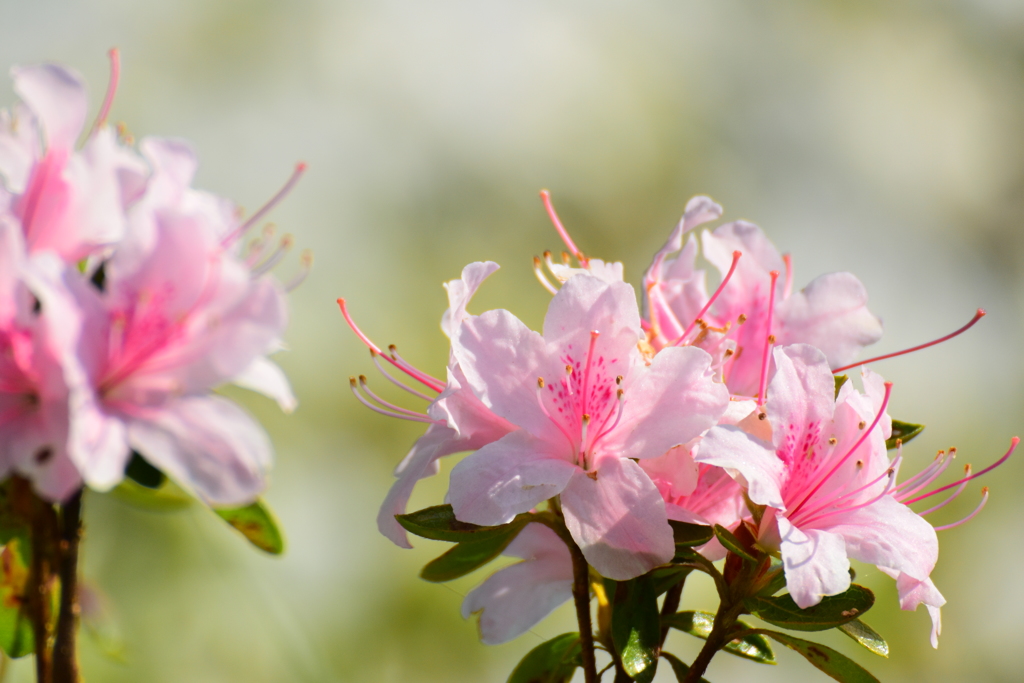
pixel 126 297
pixel 617 426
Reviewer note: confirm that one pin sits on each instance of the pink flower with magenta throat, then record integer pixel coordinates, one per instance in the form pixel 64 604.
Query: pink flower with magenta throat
pixel 586 403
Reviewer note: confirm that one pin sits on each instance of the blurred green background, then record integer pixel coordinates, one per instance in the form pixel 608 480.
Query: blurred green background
pixel 882 138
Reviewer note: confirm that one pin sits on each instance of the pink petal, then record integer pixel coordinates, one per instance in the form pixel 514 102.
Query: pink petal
pixel 815 562
pixel 752 459
pixel 461 291
pixel 800 399
pixel 830 313
pixel 674 473
pixel 209 445
pixel 265 377
pixel 514 599
pixel 507 477
pixel 502 359
pixel 618 519
pixel 57 97
pixel 585 304
pixel 672 402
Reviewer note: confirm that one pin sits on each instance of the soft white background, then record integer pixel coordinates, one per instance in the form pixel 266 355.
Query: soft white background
pixel 885 140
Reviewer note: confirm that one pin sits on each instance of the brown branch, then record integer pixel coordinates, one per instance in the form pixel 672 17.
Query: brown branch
pixel 65 650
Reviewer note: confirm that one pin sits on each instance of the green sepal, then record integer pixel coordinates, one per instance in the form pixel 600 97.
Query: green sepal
pixel 554 661
pixel 636 627
pixel 690 535
pixel 666 577
pixel 866 636
pixel 732 544
pixel 834 664
pixel 753 646
pixel 840 380
pixel 438 523
pixel 903 432
pixel 16 637
pixel 832 611
pixel 257 523
pixel 678 667
pixel 467 556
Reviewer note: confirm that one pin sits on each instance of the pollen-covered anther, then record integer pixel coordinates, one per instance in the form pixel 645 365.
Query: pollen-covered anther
pixel 540 382
pixel 618 380
pixel 762 416
pixel 742 318
pixel 862 424
pixel 832 441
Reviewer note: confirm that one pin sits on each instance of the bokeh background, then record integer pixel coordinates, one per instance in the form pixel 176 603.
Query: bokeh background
pixel 882 138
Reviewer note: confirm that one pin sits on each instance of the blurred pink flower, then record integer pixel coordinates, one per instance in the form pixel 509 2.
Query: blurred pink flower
pixel 587 404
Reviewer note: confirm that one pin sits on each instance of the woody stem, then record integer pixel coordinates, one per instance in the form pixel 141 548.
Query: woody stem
pixel 65 650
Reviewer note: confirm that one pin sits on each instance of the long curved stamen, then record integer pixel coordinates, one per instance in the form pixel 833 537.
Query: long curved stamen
pixel 365 386
pixel 732 269
pixel 594 334
pixel 410 368
pixel 842 460
pixel 847 497
pixel 300 168
pixel 584 428
pixel 811 518
pixel 926 476
pixel 388 413
pixel 603 431
pixel 953 496
pixel 108 99
pixel 558 423
pixel 376 361
pixel 787 287
pixel 305 265
pixel 977 316
pixel 984 499
pixel 258 247
pixel 768 341
pixel 545 197
pixel 1013 446
pixel 276 257
pixel 420 377
pixel 538 270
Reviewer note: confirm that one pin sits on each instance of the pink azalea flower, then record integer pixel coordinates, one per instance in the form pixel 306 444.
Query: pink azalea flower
pixel 732 324
pixel 178 314
pixel 458 420
pixel 39 326
pixel 828 484
pixel 516 598
pixel 67 201
pixel 587 403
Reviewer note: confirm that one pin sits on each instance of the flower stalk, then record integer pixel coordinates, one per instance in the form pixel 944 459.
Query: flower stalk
pixel 65 649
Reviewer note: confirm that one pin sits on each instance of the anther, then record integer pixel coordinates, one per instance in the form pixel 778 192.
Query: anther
pixel 862 424
pixel 742 319
pixel 540 382
pixel 832 441
pixel 618 379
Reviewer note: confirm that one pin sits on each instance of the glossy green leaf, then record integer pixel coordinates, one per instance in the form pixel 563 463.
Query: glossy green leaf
pixel 467 556
pixel 257 523
pixel 678 667
pixel 831 612
pixel 837 665
pixel 840 380
pixel 15 628
pixel 866 636
pixel 553 661
pixel 666 577
pixel 753 646
pixel 732 544
pixel 690 535
pixel 903 431
pixel 636 627
pixel 438 523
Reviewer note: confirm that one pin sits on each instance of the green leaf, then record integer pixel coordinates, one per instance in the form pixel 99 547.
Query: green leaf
pixel 438 523
pixel 903 431
pixel 467 556
pixel 141 472
pixel 678 668
pixel 257 523
pixel 832 611
pixel 754 646
pixel 866 636
pixel 168 498
pixel 690 535
pixel 838 666
pixel 553 661
pixel 840 380
pixel 732 544
pixel 636 627
pixel 666 577
pixel 776 580
pixel 15 628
